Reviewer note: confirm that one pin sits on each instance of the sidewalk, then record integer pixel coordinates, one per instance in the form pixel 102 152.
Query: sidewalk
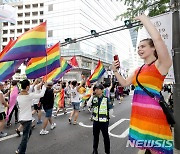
pixel 175 150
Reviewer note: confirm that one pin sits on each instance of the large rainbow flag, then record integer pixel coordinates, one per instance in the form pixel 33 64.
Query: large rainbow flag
pixel 58 73
pixel 41 66
pixel 8 69
pixel 29 45
pixel 97 74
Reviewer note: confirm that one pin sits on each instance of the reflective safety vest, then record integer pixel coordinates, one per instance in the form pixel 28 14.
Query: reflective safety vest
pixel 100 112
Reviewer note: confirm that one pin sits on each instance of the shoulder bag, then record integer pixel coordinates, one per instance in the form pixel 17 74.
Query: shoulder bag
pixel 167 111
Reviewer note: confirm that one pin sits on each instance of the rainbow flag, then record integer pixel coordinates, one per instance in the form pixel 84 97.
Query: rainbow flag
pixel 85 97
pixel 58 73
pixel 59 100
pixel 8 69
pixel 29 45
pixel 88 94
pixel 98 72
pixel 37 66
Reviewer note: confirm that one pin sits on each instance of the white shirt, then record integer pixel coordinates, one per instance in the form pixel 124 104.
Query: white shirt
pixel 2 107
pixel 24 102
pixel 74 95
pixel 36 91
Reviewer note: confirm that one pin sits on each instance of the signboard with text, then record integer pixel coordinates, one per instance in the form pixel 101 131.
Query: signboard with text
pixel 163 23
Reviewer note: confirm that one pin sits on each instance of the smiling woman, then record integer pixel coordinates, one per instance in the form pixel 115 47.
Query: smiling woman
pixel 148 121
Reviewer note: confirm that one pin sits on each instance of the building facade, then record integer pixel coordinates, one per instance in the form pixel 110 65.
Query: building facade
pixel 74 19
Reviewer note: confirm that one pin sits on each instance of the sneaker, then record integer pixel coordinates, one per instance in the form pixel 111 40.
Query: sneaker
pixel 2 134
pixel 39 122
pixel 55 115
pixel 65 112
pixel 75 123
pixel 53 126
pixel 44 132
pixel 69 121
pixel 16 121
pixel 17 151
pixel 18 132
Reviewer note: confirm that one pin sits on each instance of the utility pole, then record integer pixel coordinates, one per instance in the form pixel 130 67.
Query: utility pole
pixel 176 64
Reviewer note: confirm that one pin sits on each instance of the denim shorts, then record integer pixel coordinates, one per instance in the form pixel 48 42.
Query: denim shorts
pixel 48 113
pixel 76 105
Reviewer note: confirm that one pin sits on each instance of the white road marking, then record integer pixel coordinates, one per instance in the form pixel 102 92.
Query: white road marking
pixel 15 135
pixel 83 125
pixel 62 110
pixel 8 137
pixel 123 135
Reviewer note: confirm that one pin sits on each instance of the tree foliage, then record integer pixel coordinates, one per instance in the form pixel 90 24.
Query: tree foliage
pixel 136 7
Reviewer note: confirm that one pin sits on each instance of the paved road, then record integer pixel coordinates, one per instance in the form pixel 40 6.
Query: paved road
pixel 75 139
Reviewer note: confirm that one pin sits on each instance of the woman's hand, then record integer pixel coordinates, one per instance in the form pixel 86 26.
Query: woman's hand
pixel 115 65
pixel 140 17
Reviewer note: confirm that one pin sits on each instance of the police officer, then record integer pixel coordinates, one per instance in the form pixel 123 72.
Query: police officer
pixel 100 115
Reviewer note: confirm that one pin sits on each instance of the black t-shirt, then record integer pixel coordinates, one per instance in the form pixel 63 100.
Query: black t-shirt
pixel 48 99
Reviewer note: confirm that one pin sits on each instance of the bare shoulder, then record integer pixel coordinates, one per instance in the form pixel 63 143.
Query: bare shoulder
pixel 163 69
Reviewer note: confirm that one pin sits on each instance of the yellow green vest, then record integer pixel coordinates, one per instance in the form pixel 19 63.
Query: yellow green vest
pixel 103 110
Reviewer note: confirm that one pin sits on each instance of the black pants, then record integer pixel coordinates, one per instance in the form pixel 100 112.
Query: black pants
pixel 103 126
pixel 16 114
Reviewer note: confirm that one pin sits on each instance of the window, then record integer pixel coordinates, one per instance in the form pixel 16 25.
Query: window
pixel 12 24
pixel 41 4
pixel 27 22
pixel 35 5
pixel 3 46
pixel 5 24
pixel 50 7
pixel 50 33
pixel 41 12
pixel 20 14
pixel 26 29
pixel 4 39
pixel 34 21
pixel 20 7
pixel 34 13
pixel 19 30
pixel 5 31
pixel 27 14
pixel 27 6
pixel 40 20
pixel 11 31
pixel 19 22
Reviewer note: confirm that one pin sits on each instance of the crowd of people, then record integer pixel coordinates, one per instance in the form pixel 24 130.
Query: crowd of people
pixel 147 123
pixel 26 99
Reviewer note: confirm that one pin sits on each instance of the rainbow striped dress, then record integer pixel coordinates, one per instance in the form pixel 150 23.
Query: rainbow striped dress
pixel 149 128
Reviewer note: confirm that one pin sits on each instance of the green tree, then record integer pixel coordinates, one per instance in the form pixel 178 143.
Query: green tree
pixel 135 7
